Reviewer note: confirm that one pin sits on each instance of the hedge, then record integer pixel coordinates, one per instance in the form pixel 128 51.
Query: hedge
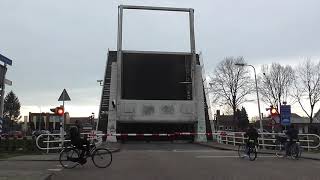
pixel 18 145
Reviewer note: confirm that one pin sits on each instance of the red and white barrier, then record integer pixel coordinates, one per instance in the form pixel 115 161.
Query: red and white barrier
pixel 161 134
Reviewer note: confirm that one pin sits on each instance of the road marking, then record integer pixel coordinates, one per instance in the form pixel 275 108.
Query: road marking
pixel 54 169
pixel 193 151
pixel 59 165
pixel 174 150
pixel 231 156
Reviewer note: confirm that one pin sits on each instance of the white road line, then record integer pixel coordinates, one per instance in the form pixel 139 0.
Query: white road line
pixel 54 169
pixel 193 151
pixel 175 150
pixel 231 156
pixel 59 165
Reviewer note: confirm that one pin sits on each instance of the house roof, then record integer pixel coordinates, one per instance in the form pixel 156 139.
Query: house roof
pixel 80 119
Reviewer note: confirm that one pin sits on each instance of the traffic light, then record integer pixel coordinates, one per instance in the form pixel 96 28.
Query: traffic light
pixel 58 111
pixel 273 112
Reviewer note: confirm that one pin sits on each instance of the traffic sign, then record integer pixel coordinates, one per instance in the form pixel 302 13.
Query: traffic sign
pixel 8 82
pixel 285 113
pixel 5 60
pixel 64 96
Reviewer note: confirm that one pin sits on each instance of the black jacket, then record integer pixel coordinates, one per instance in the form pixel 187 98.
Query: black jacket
pixel 252 133
pixel 292 133
pixel 74 135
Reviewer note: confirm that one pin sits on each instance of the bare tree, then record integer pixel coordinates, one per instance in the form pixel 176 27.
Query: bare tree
pixel 275 82
pixel 230 84
pixel 307 86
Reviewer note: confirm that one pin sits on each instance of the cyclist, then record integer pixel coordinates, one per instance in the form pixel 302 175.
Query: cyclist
pixel 81 144
pixel 252 134
pixel 292 136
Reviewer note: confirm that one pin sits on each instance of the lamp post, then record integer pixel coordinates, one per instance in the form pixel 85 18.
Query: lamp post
pixel 255 79
pixel 101 84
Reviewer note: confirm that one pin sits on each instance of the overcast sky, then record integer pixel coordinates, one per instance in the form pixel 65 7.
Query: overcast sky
pixel 63 44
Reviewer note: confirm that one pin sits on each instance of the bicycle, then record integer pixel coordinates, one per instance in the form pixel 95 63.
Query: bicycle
pixel 69 156
pixel 295 150
pixel 249 149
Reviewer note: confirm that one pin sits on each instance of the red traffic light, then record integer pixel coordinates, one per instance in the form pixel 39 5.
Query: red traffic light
pixel 58 111
pixel 273 112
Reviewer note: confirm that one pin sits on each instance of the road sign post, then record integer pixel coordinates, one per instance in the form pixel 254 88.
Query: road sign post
pixel 63 97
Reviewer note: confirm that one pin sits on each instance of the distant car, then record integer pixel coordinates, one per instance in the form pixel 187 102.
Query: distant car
pixel 36 133
pixel 4 135
pixel 55 131
pixel 264 131
pixel 16 134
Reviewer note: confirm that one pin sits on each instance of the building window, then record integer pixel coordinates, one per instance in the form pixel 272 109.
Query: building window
pixel 220 127
pixel 230 128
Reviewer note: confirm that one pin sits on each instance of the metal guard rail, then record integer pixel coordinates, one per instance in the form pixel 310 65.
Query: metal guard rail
pixel 238 138
pixel 97 138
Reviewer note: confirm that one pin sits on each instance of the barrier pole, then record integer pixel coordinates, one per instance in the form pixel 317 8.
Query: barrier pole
pixel 48 144
pixel 308 143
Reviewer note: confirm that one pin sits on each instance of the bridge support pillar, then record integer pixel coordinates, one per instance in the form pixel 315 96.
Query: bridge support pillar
pixel 112 114
pixel 200 114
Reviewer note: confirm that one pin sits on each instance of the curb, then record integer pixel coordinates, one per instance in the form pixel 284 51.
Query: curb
pixel 259 152
pixel 113 151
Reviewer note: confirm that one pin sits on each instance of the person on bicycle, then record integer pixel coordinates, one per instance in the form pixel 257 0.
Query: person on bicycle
pixel 80 143
pixel 292 136
pixel 252 134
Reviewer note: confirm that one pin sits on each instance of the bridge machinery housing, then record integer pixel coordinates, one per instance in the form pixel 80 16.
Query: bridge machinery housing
pixel 153 92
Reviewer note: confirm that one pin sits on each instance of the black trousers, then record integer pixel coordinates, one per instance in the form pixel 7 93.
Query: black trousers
pixel 83 145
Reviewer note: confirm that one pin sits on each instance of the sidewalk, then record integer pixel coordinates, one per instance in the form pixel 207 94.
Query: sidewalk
pixel 227 147
pixel 113 147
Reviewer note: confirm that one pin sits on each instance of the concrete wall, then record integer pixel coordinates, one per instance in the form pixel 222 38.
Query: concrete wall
pixel 156 111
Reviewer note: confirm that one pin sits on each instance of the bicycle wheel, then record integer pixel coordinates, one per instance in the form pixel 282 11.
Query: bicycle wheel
pixel 252 153
pixel 295 151
pixel 69 158
pixel 242 150
pixel 300 150
pixel 101 157
pixel 279 148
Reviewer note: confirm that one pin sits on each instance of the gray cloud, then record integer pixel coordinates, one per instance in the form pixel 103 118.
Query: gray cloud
pixel 63 44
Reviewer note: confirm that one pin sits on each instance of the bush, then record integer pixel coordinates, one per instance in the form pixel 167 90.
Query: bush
pixel 18 145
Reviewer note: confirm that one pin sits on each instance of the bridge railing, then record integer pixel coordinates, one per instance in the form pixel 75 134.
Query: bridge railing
pixel 56 142
pixel 307 141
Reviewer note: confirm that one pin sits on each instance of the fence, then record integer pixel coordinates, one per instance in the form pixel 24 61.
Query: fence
pixel 54 141
pixel 307 141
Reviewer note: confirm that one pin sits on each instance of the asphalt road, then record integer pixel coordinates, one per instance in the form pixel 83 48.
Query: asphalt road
pixel 155 161
pixel 27 170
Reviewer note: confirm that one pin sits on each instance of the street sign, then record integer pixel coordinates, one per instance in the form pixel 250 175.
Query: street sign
pixel 8 82
pixel 285 113
pixel 3 70
pixel 64 96
pixel 5 60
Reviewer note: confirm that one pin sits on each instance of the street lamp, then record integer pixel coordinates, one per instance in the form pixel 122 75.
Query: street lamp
pixel 255 78
pixel 100 82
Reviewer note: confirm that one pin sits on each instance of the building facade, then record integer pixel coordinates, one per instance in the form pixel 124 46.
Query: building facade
pixel 46 121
